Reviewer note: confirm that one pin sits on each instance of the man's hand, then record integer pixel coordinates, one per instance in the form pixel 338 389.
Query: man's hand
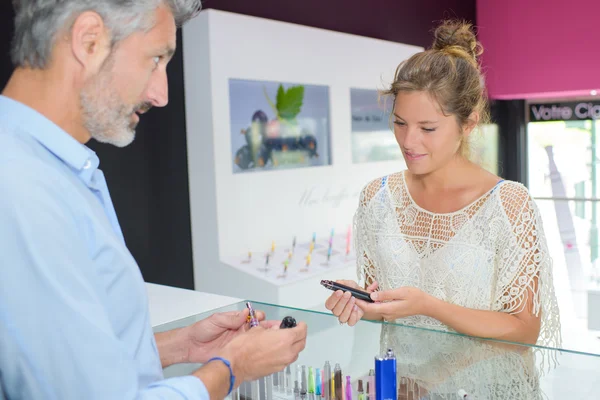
pixel 264 350
pixel 205 338
pixel 199 342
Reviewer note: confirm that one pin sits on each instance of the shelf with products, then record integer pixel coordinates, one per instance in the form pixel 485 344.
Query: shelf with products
pixel 282 265
pixel 430 364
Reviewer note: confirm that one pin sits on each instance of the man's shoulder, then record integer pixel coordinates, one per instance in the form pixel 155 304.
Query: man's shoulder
pixel 28 169
pixel 17 148
pixel 22 154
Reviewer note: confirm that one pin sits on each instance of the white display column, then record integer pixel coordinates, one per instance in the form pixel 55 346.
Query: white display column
pixel 235 212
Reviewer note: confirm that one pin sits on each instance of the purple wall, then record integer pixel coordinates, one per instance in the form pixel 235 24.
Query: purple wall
pixel 540 48
pixel 403 21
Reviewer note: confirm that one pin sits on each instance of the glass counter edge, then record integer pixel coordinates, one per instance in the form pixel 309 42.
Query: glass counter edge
pixel 256 304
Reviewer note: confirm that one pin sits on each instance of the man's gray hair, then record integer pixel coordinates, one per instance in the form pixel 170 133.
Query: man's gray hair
pixel 38 22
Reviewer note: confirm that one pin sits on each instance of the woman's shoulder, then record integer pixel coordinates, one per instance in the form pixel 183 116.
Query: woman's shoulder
pixel 513 193
pixel 513 185
pixel 516 202
pixel 375 185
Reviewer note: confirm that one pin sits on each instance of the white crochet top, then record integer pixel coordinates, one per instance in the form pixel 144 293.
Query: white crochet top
pixel 489 255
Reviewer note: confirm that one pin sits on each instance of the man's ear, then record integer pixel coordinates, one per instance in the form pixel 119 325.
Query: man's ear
pixel 90 41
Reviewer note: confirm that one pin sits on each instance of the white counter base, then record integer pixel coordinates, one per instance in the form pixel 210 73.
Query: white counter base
pixel 169 304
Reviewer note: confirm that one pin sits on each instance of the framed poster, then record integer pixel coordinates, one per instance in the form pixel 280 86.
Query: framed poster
pixel 276 125
pixel 372 136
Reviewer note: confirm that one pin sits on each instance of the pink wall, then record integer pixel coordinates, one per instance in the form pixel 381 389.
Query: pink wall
pixel 540 48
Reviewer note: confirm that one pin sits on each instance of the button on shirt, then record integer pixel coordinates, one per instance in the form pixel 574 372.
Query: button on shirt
pixel 74 319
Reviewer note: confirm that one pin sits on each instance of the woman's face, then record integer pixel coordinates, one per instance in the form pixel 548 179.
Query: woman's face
pixel 428 138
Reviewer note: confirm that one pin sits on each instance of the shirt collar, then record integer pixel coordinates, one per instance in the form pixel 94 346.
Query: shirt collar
pixel 21 118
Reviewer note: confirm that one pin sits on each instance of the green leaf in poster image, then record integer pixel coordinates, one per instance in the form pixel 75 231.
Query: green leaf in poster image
pixel 280 98
pixel 289 102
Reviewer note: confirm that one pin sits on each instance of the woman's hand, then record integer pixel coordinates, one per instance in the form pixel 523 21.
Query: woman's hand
pixel 344 306
pixel 396 303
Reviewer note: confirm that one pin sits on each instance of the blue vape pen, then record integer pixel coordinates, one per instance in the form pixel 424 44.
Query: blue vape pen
pixel 385 377
pixel 318 383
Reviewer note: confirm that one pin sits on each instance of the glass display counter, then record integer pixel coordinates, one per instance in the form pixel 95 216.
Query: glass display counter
pixel 430 364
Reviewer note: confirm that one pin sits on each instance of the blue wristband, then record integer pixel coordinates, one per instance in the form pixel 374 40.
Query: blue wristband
pixel 231 376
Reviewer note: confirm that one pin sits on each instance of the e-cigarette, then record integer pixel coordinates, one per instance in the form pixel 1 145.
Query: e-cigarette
pixel 296 391
pixel 280 376
pixel 327 380
pixel 288 380
pixel 253 319
pixel 371 387
pixel 287 322
pixel 338 392
pixel 359 294
pixel 303 384
pixel 275 378
pixel 348 388
pixel 245 391
pixel 385 377
pixel 269 387
pixel 311 383
pixel 262 389
pixel 318 383
pixel 361 391
pixel 254 390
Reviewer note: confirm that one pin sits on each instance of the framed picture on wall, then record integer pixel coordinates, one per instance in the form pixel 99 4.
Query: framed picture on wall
pixel 372 136
pixel 278 125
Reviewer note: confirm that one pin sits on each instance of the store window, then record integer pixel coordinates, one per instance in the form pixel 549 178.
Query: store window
pixel 562 150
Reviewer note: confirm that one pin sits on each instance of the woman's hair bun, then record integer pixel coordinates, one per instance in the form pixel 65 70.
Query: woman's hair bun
pixel 452 34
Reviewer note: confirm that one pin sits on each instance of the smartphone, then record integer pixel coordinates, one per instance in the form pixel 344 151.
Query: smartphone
pixel 359 294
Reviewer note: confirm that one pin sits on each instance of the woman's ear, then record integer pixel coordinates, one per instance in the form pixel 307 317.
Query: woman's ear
pixel 471 123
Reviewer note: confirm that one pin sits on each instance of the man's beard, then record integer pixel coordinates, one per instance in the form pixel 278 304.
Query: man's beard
pixel 106 117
